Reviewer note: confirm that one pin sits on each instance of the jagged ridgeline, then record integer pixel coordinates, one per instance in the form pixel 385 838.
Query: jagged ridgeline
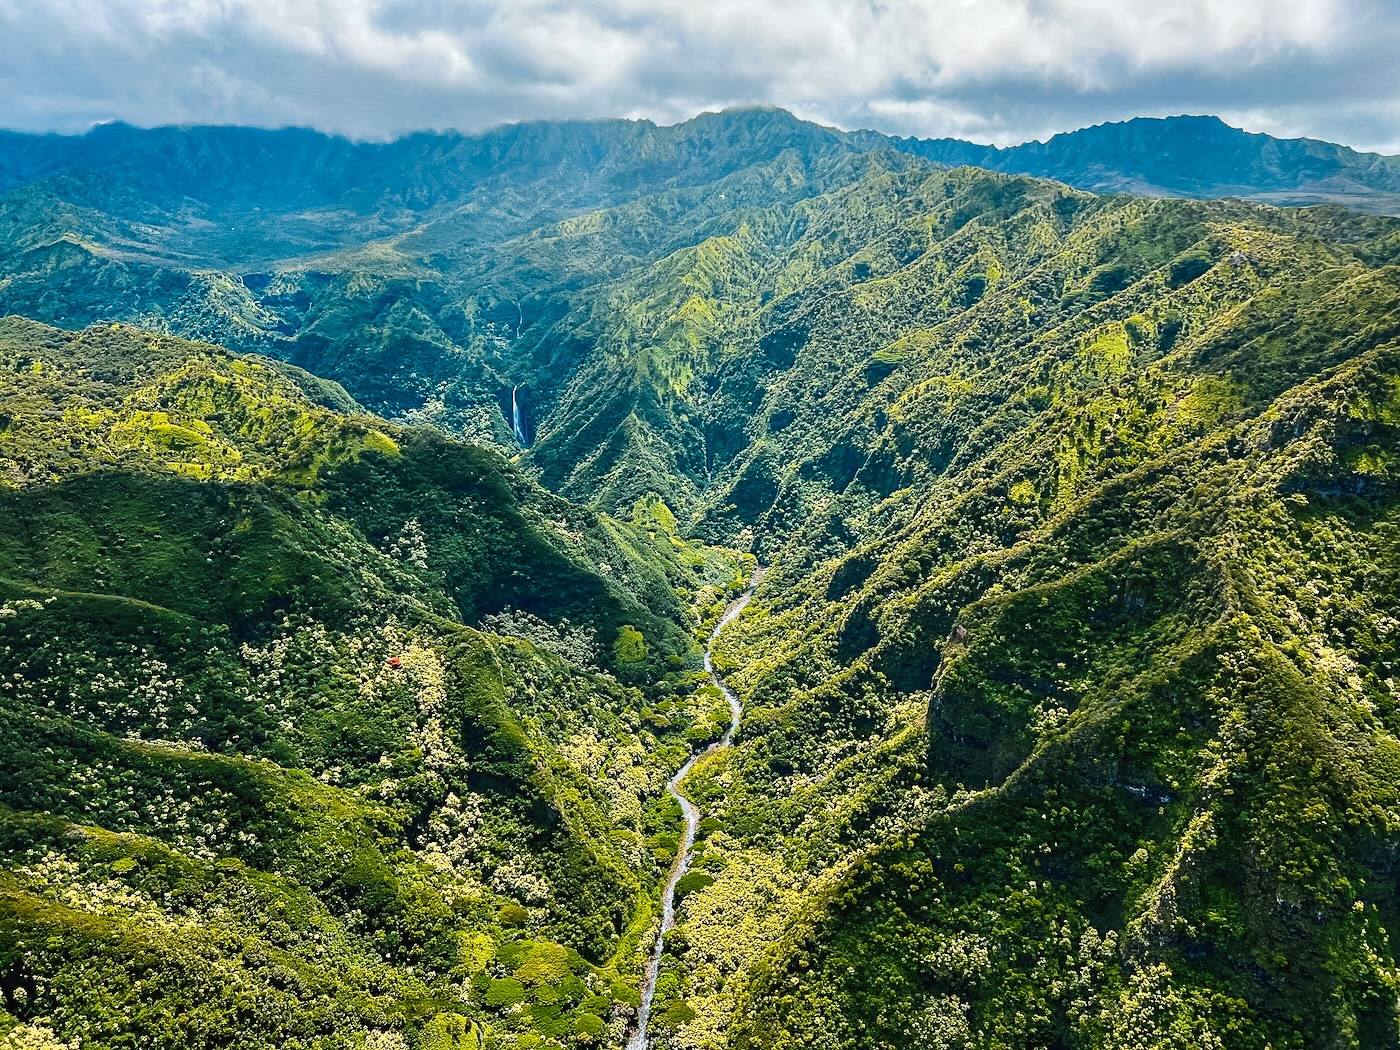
pixel 262 784
pixel 1069 703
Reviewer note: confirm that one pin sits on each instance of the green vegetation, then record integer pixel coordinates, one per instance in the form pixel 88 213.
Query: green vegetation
pixel 263 785
pixel 1081 734
pixel 1070 708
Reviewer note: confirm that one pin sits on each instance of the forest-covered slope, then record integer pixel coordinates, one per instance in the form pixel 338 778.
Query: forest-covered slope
pixel 316 729
pixel 1070 702
pixel 1129 621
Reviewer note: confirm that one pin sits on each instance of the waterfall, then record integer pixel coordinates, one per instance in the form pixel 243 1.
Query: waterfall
pixel 515 418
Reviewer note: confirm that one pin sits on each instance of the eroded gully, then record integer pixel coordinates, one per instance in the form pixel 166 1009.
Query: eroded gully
pixel 691 812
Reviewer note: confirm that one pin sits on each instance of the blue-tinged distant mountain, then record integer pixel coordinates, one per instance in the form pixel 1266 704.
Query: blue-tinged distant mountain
pixel 243 198
pixel 292 191
pixel 1189 157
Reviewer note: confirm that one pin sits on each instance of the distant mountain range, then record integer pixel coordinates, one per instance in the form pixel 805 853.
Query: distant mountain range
pixel 1181 156
pixel 1189 156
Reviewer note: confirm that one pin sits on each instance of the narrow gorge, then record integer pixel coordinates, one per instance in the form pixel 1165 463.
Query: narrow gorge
pixel 691 814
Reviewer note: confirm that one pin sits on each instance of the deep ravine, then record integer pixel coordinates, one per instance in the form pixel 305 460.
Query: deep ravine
pixel 691 812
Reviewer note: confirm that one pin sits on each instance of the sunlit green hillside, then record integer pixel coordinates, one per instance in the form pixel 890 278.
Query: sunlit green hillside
pixel 317 729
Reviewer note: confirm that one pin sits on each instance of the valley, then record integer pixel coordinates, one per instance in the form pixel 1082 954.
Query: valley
pixel 691 816
pixel 376 522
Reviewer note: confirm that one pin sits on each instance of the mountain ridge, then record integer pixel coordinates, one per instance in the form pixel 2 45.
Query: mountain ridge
pixel 1259 163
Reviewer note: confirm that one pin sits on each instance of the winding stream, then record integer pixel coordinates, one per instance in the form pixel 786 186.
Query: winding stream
pixel 692 820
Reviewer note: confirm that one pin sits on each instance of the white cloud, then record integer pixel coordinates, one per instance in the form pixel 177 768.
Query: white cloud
pixel 1000 70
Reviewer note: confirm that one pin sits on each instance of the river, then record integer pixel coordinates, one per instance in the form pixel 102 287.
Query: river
pixel 691 812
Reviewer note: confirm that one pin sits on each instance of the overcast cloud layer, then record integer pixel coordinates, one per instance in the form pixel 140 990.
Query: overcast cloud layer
pixel 1002 71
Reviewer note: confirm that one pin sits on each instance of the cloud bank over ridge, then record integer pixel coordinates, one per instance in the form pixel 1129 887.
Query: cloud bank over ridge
pixel 992 70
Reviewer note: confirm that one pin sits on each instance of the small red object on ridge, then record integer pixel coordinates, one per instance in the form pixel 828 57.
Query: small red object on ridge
pixel 395 661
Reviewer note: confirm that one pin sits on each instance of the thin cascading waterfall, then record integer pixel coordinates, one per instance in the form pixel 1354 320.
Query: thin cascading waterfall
pixel 515 418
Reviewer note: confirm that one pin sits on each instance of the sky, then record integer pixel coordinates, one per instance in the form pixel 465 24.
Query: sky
pixel 1002 71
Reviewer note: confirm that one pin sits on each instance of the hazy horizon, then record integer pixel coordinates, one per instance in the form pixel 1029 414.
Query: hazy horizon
pixel 407 133
pixel 1001 71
